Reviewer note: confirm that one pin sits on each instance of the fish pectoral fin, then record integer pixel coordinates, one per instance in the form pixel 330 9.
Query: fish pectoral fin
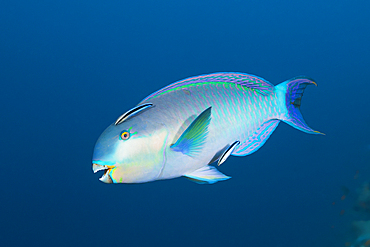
pixel 206 175
pixel 192 140
pixel 227 152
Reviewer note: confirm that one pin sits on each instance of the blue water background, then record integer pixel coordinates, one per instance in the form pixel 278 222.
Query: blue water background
pixel 68 69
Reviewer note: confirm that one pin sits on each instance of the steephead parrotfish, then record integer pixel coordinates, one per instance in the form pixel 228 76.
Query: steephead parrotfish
pixel 186 126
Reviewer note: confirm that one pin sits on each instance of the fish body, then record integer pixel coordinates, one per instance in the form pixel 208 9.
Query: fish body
pixel 184 127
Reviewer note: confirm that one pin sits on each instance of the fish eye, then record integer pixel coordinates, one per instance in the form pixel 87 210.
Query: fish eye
pixel 125 135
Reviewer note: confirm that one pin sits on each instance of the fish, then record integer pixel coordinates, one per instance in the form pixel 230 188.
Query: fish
pixel 185 127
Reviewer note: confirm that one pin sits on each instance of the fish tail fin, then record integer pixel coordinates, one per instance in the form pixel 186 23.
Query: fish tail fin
pixel 292 90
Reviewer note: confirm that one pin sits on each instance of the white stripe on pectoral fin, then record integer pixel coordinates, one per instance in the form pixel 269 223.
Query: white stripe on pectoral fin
pixel 206 175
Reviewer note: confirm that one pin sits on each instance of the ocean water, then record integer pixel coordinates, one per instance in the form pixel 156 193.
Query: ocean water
pixel 68 69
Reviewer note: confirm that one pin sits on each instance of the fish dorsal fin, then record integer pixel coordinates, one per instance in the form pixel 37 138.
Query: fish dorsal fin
pixel 227 153
pixel 256 83
pixel 132 112
pixel 206 175
pixel 253 82
pixel 193 138
pixel 257 139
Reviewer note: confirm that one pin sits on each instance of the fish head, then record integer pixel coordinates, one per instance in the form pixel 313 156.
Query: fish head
pixel 131 152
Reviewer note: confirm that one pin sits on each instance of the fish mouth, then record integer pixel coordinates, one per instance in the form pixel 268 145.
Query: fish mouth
pixel 106 178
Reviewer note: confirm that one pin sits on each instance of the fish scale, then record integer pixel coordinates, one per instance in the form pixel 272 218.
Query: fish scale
pixel 223 112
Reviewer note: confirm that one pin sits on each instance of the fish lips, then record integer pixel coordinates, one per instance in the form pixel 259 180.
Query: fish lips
pixel 107 168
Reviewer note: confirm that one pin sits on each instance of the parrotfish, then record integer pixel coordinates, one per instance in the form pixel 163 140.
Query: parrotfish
pixel 183 128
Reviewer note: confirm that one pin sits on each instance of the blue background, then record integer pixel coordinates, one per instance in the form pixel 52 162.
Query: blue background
pixel 68 69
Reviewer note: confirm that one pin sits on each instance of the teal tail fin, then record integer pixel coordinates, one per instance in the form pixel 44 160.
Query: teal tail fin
pixel 293 95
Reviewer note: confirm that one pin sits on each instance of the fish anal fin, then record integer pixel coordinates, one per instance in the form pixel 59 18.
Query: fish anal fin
pixel 206 175
pixel 192 140
pixel 259 137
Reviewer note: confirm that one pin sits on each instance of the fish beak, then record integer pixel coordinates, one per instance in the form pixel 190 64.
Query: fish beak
pixel 106 178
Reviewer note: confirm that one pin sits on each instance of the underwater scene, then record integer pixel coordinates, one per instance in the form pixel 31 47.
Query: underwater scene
pixel 185 123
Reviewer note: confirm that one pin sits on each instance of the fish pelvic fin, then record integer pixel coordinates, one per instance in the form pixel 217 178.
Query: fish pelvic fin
pixel 192 140
pixel 206 175
pixel 293 90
